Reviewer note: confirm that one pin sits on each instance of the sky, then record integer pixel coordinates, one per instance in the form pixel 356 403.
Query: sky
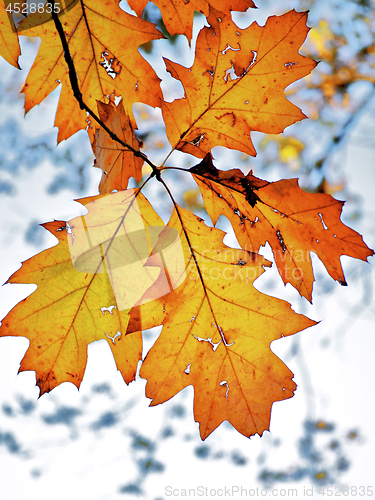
pixel 104 440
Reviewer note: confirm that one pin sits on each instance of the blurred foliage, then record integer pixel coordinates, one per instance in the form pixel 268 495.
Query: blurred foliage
pixel 323 457
pixel 323 449
pixel 25 152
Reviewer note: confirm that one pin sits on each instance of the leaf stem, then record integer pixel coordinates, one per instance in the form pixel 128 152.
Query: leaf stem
pixel 174 168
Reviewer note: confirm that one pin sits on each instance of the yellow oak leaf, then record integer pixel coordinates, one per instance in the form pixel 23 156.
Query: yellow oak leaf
pixel 237 84
pixel 86 288
pixel 105 65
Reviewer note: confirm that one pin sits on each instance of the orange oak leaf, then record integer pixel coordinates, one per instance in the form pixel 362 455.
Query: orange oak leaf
pixel 86 287
pixel 116 163
pixel 106 65
pixel 294 222
pixel 217 332
pixel 9 46
pixel 237 84
pixel 178 14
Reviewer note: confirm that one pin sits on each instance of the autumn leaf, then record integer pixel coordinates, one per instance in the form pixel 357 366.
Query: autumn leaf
pixel 118 269
pixel 85 290
pixel 106 65
pixel 117 164
pixel 293 222
pixel 178 14
pixel 9 46
pixel 237 84
pixel 217 332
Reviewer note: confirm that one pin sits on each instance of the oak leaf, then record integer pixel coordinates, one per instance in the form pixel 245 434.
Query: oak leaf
pixel 237 84
pixel 117 164
pixel 293 222
pixel 178 14
pixel 9 46
pixel 106 65
pixel 81 295
pixel 218 338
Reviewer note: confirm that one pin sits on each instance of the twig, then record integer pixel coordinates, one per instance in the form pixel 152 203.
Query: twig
pixel 346 128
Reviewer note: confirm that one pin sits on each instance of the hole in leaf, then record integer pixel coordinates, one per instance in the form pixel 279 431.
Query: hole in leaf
pixel 230 74
pixel 214 346
pixel 255 54
pixel 111 65
pixel 69 230
pixel 252 222
pixel 222 383
pixel 210 72
pixel 118 334
pixel 322 221
pixel 241 216
pixel 281 240
pixel 197 141
pixel 109 309
pixel 228 47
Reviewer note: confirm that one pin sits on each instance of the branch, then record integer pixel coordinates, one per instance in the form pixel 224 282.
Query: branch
pixel 345 129
pixel 78 95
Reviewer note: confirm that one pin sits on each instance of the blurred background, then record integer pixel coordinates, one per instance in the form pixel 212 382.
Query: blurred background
pixel 104 442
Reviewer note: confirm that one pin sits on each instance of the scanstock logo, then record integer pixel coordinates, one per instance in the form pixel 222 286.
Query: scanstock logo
pixel 143 262
pixel 36 12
